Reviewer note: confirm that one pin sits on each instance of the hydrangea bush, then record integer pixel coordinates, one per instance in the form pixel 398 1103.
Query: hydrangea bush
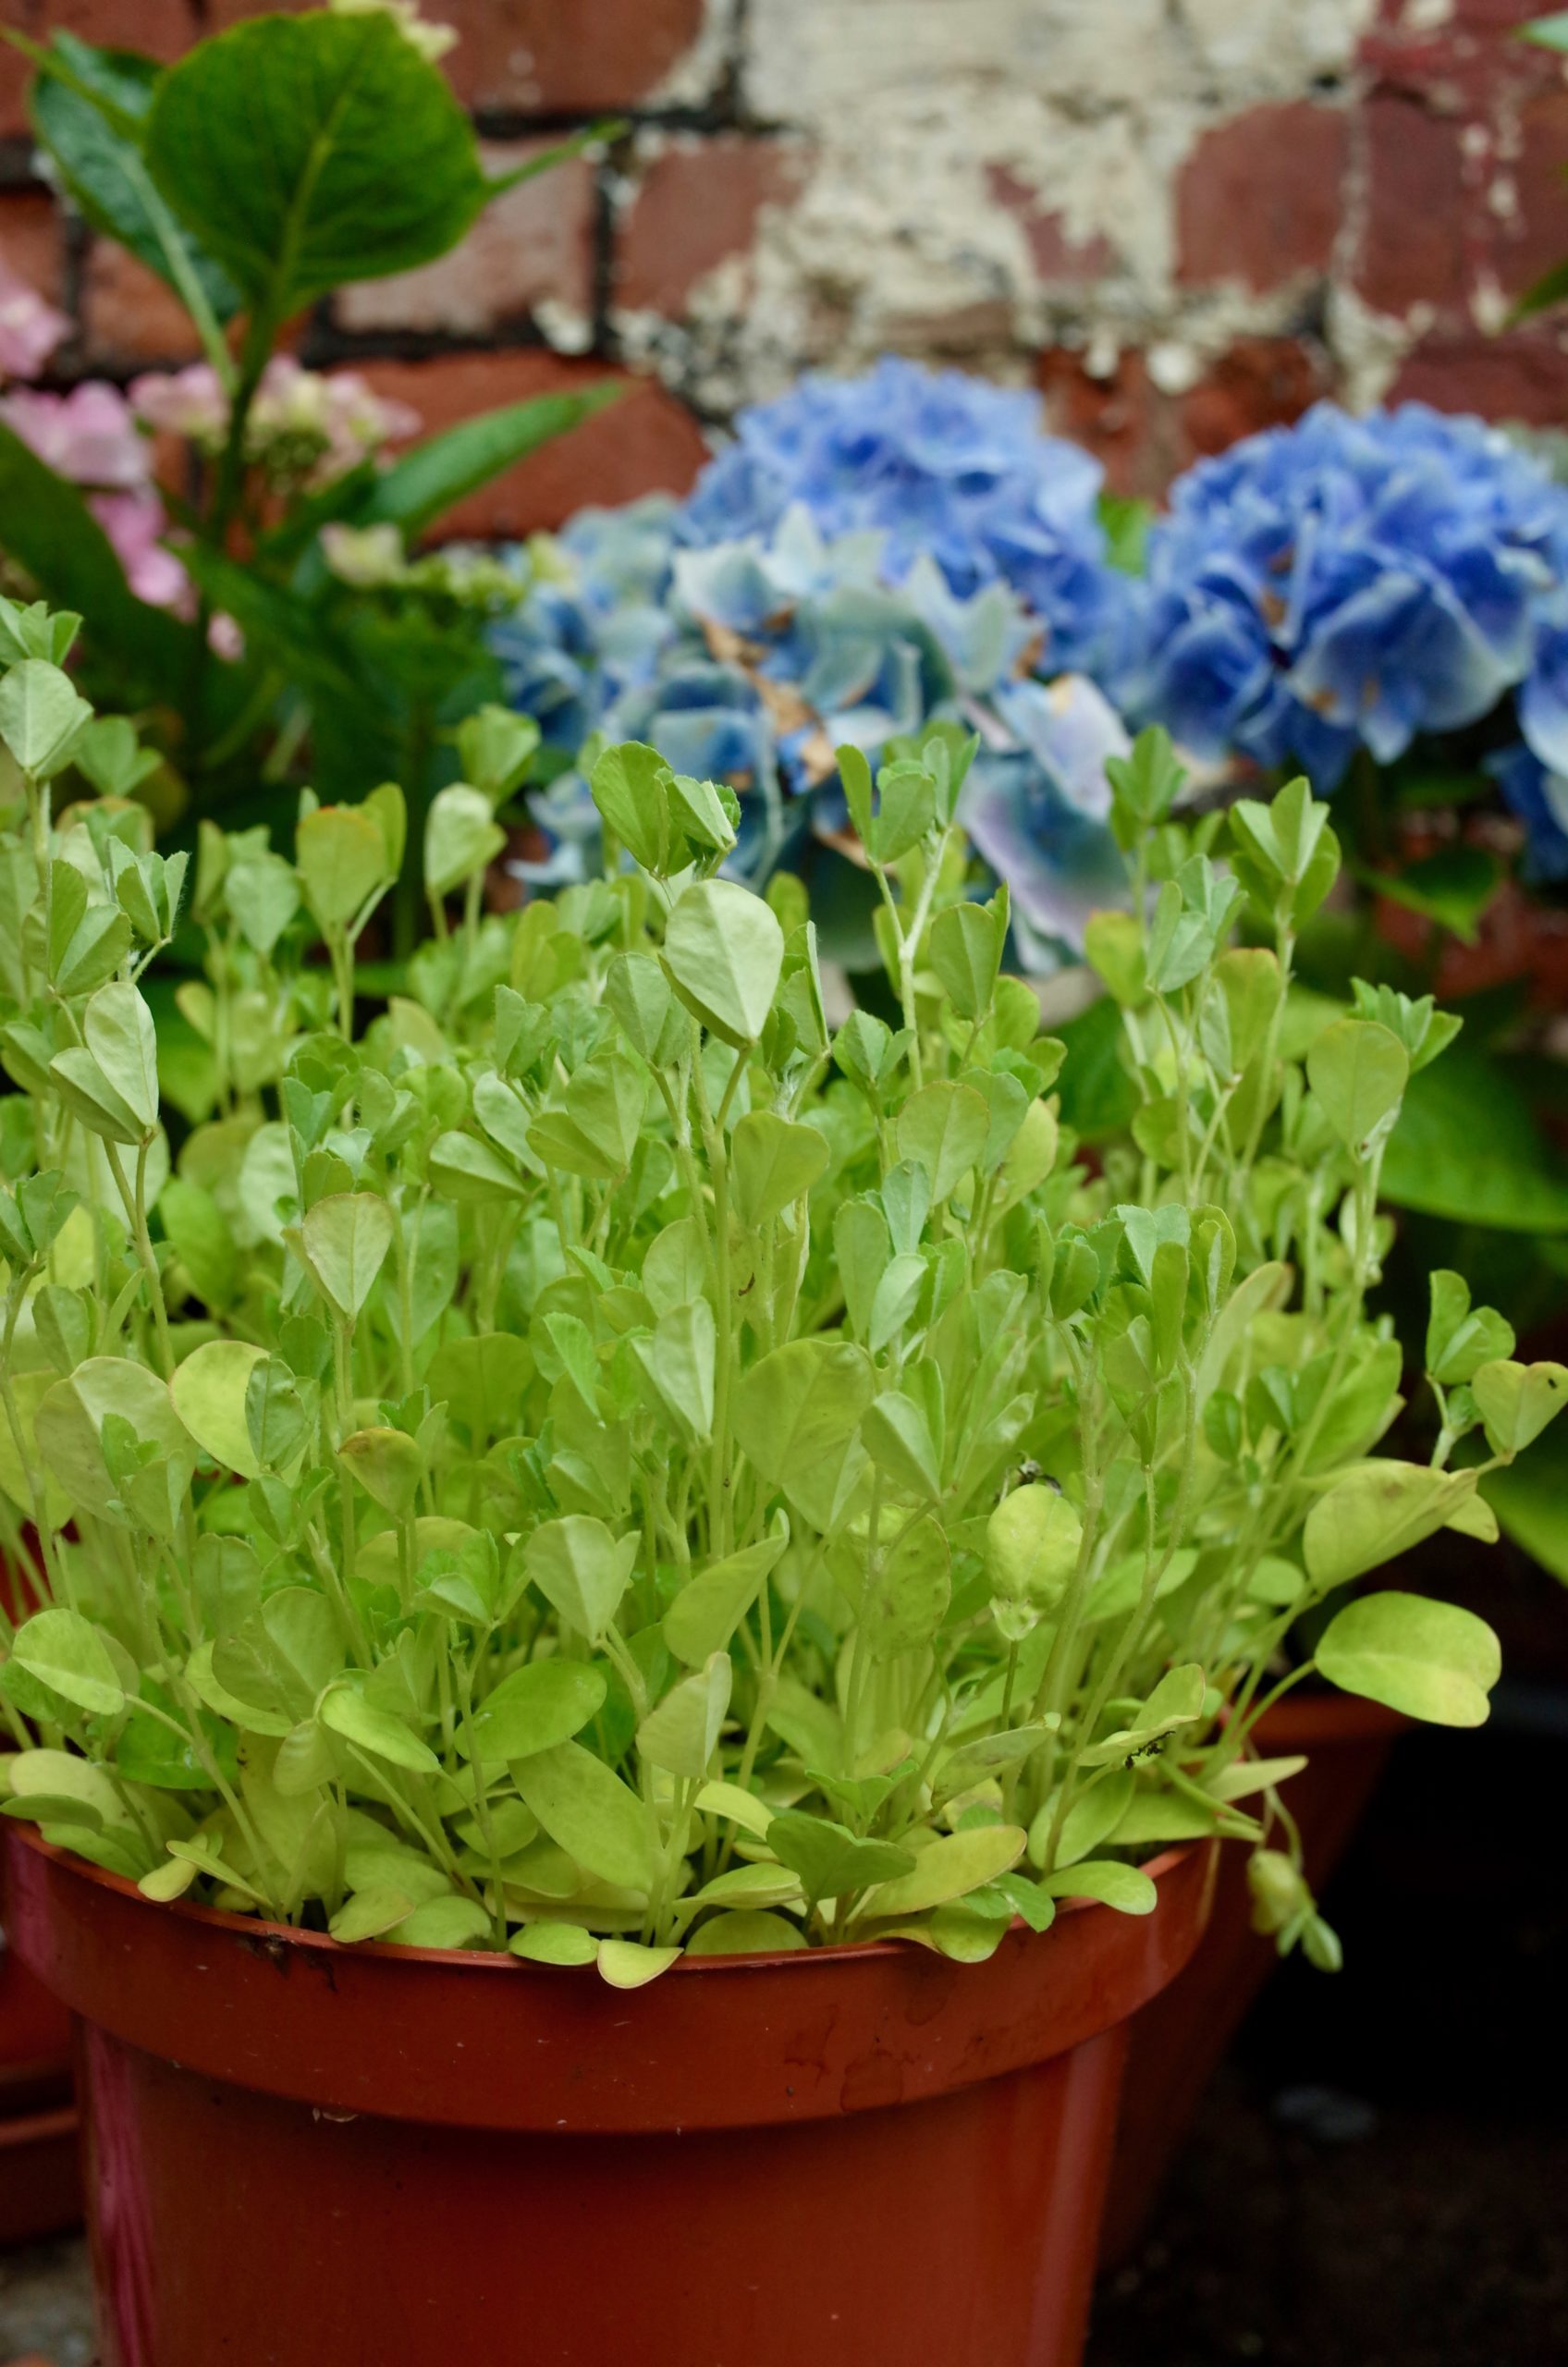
pixel 283 156
pixel 1352 585
pixel 869 557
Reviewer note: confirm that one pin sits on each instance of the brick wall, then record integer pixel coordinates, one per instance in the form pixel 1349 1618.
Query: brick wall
pixel 1180 218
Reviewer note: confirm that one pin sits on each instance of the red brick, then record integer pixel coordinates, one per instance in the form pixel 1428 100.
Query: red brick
pixel 645 443
pixel 698 203
pixel 1533 239
pixel 1523 375
pixel 533 244
pixel 162 27
pixel 567 54
pixel 1120 418
pixel 1259 198
pixel 1413 248
pixel 1055 255
pixel 129 314
pixel 1261 382
pixel 31 242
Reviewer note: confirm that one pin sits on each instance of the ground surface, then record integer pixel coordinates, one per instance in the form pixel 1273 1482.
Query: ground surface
pixel 1380 2175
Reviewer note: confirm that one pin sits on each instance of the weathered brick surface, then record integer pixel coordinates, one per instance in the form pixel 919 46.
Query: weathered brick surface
pixel 1261 197
pixel 646 442
pixel 696 204
pixel 1181 219
pixel 534 246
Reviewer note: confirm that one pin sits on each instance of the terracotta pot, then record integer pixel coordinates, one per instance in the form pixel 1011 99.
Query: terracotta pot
pixel 1178 2040
pixel 299 2153
pixel 40 2187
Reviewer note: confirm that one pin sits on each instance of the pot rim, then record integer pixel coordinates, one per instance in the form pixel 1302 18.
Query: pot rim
pixel 256 1928
pixel 411 2034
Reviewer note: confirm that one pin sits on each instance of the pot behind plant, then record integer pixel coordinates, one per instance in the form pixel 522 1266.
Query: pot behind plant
pixel 299 2152
pixel 1177 2042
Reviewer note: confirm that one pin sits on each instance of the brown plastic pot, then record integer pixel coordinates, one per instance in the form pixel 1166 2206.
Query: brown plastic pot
pixel 1178 2040
pixel 299 2153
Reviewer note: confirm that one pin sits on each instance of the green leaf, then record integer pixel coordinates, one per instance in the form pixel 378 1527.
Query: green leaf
pixel 946 1868
pixel 1517 1400
pixel 679 1362
pixel 904 1599
pixel 461 837
pixel 1460 1339
pixel 345 1237
pixel 1441 1161
pixel 534 1709
pixel 1430 1660
pixel 563 1944
pixel 1106 1879
pixel 387 1465
pixel 1358 1070
pixel 712 1604
pixel 1177 1700
pixel 830 1861
pixel 583 1569
pixel 342 859
pixel 589 1812
pixel 724 951
pixel 437 475
pixel 211 1396
pixel 1376 1511
pixel 897 1439
pixel 65 1652
pixel 943 1128
pixel 349 1713
pixel 122 1039
pixel 309 152
pixel 681 1733
pixel 965 950
pixel 801 1405
pixel 41 714
pixel 52 534
pixel 89 113
pixel 745 1933
pixel 627 1964
pixel 775 1163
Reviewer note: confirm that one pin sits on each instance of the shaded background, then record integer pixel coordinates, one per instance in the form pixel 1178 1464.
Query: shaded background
pixel 1183 219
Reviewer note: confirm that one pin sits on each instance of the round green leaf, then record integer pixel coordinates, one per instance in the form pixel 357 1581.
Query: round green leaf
pixel 209 1391
pixel 66 1653
pixel 1432 1661
pixel 534 1709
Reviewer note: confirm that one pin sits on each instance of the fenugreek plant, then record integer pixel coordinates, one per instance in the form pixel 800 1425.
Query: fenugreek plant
pixel 600 1463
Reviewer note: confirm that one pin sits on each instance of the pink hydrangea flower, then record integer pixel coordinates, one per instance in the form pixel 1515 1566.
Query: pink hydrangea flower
pixel 134 522
pixel 183 403
pixel 88 436
pixel 29 328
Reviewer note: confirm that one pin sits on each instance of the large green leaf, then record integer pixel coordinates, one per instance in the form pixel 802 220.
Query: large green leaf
pixel 47 528
pixel 1466 1146
pixel 89 108
pixel 1430 1660
pixel 309 152
pixel 415 491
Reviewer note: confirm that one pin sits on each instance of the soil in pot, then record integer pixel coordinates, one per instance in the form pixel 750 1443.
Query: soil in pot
pixel 1178 2040
pixel 299 2153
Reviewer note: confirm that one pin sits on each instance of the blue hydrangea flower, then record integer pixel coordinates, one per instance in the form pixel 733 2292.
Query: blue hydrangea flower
pixel 1539 797
pixel 1346 583
pixel 751 661
pixel 943 467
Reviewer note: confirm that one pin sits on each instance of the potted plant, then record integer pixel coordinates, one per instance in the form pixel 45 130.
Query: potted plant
pixel 654 1610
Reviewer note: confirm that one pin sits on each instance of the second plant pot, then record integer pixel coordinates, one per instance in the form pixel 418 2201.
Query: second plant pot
pixel 1177 2042
pixel 299 2152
